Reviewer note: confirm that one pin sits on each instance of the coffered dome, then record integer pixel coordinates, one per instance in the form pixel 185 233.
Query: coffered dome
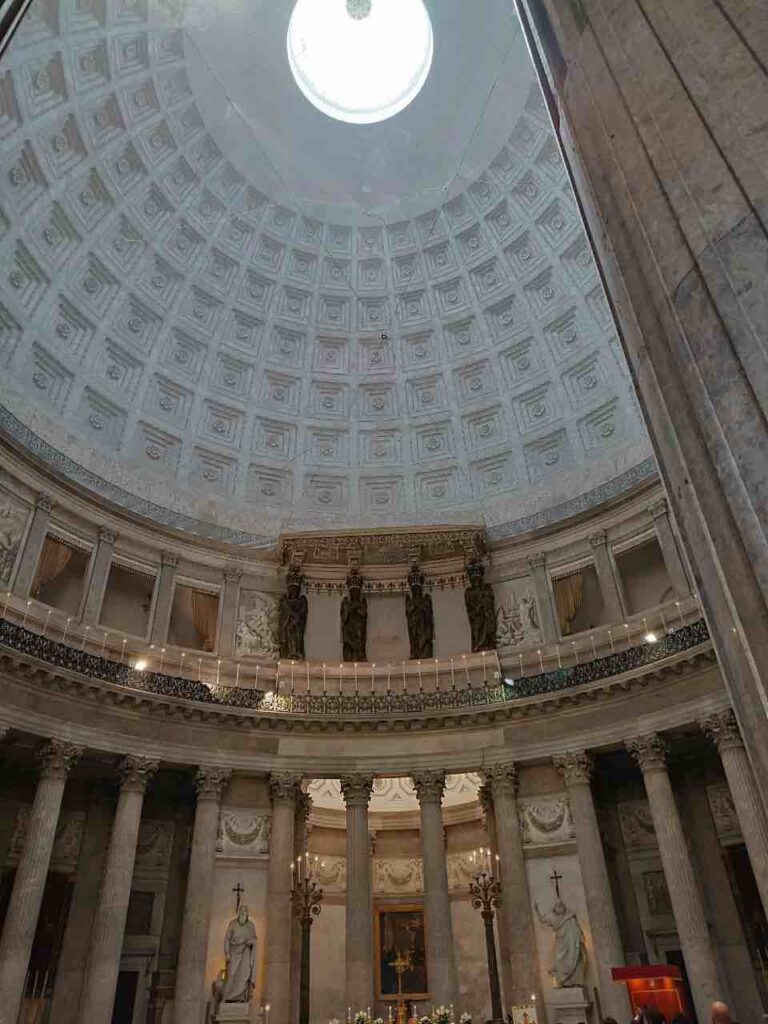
pixel 227 311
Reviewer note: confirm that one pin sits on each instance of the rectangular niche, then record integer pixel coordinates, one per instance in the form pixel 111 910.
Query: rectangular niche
pixel 60 576
pixel 127 600
pixel 194 618
pixel 578 601
pixel 644 576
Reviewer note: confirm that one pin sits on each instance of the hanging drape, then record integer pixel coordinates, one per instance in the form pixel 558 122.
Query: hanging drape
pixel 54 559
pixel 205 611
pixel 569 591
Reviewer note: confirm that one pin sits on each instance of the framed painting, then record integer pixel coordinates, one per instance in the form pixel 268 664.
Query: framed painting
pixel 401 956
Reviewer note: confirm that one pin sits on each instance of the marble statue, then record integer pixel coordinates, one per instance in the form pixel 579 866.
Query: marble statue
pixel 240 956
pixel 481 608
pixel 292 620
pixel 419 616
pixel 567 967
pixel 354 620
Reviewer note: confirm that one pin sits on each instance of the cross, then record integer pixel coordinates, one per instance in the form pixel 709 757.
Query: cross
pixel 238 890
pixel 554 877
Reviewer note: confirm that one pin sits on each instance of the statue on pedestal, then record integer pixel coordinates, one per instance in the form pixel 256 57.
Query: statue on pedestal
pixel 354 620
pixel 240 955
pixel 481 608
pixel 292 618
pixel 419 616
pixel 567 966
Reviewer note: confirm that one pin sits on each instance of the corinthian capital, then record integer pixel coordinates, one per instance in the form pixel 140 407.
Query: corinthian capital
pixel 649 752
pixel 356 790
pixel 485 796
pixel 210 781
pixel 44 502
pixel 303 809
pixel 429 786
pixel 57 757
pixel 723 729
pixel 599 539
pixel 136 772
pixel 537 561
pixel 658 508
pixel 502 779
pixel 575 767
pixel 107 536
pixel 285 786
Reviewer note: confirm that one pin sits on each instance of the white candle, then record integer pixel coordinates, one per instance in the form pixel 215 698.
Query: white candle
pixel 323 678
pixel 237 675
pixel 373 677
pixel 47 618
pixel 453 676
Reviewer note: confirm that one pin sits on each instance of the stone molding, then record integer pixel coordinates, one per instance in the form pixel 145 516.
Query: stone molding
pixel 575 767
pixel 284 787
pixel 537 561
pixel 57 758
pixel 136 772
pixel 502 778
pixel 429 786
pixel 166 558
pixel 649 752
pixel 44 502
pixel 233 575
pixel 659 509
pixel 107 536
pixel 356 790
pixel 210 781
pixel 722 728
pixel 598 539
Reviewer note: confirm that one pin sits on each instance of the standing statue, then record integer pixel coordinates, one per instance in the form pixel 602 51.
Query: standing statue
pixel 481 608
pixel 354 620
pixel 292 618
pixel 240 955
pixel 567 967
pixel 419 616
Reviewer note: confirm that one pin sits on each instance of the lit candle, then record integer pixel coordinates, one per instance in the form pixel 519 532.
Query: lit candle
pixel 7 599
pixel 521 665
pixel 237 674
pixel 485 670
pixel 437 677
pixel 122 653
pixel 355 673
pixel 64 638
pixel 575 652
pixel 389 680
pixel 541 662
pixel 594 649
pixel 199 669
pixel 323 678
pixel 293 669
pixel 466 670
pixel 610 639
pixel 162 656
pixel 341 672
pixel 85 636
pixel 403 677
pixel 453 676
pixel 218 670
pixel 47 619
pixel 103 642
pixel 559 659
pixel 373 671
pixel 306 663
pixel 421 687
pixel 256 681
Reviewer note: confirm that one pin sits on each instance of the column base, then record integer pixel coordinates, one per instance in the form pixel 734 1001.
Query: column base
pixel 568 1005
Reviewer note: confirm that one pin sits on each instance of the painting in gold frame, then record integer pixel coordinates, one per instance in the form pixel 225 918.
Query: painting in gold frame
pixel 400 931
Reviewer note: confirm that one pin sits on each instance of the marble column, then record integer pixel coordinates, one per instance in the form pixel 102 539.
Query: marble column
pixel 191 994
pixel 722 729
pixel 230 603
pixel 650 753
pixel 112 910
pixel 606 577
pixel 300 838
pixel 441 960
pixel 73 958
pixel 33 545
pixel 166 582
pixel 485 797
pixel 56 760
pixel 285 791
pixel 356 790
pixel 670 552
pixel 516 914
pixel 547 618
pixel 101 560
pixel 660 108
pixel 576 769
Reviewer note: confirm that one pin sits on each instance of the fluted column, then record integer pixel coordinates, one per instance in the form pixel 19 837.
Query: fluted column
pixel 516 914
pixel 230 602
pixel 609 587
pixel 190 996
pixel 285 790
pixel 670 552
pixel 485 797
pixel 547 620
pixel 109 925
pixel 33 545
pixel 576 769
pixel 723 730
pixel 650 753
pixel 356 790
pixel 56 760
pixel 300 838
pixel 166 581
pixel 441 960
pixel 96 585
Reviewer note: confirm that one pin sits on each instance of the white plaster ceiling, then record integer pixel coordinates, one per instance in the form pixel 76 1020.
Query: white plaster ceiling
pixel 223 309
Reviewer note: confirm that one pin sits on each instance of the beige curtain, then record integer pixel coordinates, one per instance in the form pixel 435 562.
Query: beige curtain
pixel 54 559
pixel 569 591
pixel 205 611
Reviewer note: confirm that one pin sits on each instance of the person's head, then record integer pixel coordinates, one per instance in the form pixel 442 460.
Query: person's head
pixel 559 908
pixel 652 1015
pixel 720 1013
pixel 242 913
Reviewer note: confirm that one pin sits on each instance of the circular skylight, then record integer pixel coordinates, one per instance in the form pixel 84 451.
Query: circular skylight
pixel 360 61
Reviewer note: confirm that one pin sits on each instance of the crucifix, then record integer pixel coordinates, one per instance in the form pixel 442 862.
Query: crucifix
pixel 238 890
pixel 556 879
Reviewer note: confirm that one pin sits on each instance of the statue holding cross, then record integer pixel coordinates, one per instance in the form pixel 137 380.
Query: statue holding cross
pixel 569 954
pixel 239 952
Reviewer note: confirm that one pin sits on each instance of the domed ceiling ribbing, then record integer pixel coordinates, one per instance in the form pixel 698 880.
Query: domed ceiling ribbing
pixel 234 314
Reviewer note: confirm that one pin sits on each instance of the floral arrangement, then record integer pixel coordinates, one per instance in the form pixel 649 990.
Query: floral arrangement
pixel 441 1015
pixel 465 1018
pixel 425 1020
pixel 361 1017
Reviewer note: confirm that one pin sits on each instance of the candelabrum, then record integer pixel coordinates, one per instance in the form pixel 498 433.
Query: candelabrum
pixel 307 899
pixel 485 892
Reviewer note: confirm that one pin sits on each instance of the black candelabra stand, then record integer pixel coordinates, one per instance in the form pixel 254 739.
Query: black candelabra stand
pixel 485 892
pixel 307 899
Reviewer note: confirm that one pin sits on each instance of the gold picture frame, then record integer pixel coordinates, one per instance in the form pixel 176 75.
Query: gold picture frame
pixel 400 929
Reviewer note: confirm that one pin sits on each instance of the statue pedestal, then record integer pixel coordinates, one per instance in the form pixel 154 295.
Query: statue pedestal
pixel 233 1013
pixel 568 1005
